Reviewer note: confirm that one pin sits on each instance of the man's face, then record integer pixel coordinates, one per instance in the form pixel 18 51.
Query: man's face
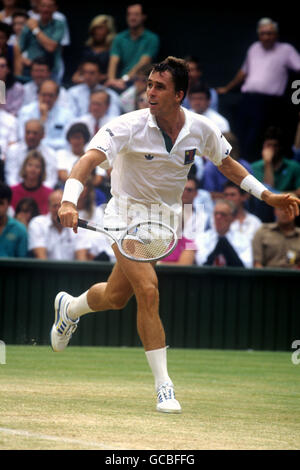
pixel 46 10
pixel 4 204
pixel 283 217
pixel 199 102
pixel 48 94
pixel 222 218
pixel 189 192
pixel 161 94
pixel 18 24
pixel 33 134
pixel 98 105
pixel 234 195
pixel 267 36
pixel 135 17
pixel 272 144
pixel 91 75
pixel 39 73
pixel 54 204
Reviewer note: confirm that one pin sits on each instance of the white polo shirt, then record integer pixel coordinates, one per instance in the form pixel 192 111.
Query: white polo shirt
pixel 143 170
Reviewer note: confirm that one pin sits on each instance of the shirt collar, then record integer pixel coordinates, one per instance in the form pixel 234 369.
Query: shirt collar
pixel 186 126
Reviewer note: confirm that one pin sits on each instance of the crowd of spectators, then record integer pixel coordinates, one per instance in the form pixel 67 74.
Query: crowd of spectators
pixel 45 126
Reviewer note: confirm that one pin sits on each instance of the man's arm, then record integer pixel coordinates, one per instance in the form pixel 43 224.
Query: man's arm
pixel 74 185
pixel 235 172
pixel 40 252
pixel 237 80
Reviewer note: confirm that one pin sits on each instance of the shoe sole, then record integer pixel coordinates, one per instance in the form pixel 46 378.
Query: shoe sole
pixel 169 411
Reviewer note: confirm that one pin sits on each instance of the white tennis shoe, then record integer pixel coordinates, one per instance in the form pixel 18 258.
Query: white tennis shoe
pixel 166 401
pixel 63 326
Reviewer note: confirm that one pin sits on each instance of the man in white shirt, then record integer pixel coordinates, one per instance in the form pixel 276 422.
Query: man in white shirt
pixel 200 99
pixel 48 239
pixel 53 116
pixel 219 246
pixel 80 94
pixel 17 152
pixel 8 131
pixel 151 152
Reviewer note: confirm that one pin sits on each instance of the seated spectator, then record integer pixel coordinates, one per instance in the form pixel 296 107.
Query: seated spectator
pixel 131 49
pixel 129 98
pixel 8 131
pixel 213 180
pixel 193 222
pixel 219 246
pixel 200 99
pixel 142 101
pixel 11 52
pixel 19 19
pixel 101 34
pixel 273 168
pixel 48 239
pixel 244 221
pixel 39 72
pixel 195 79
pixel 26 209
pixel 277 244
pixel 43 37
pixel 14 91
pixel 6 14
pixel 33 174
pixel 80 94
pixel 13 234
pixel 54 117
pixel 98 112
pixel 100 248
pixel 17 152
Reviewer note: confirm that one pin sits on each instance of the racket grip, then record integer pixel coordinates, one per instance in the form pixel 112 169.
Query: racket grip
pixel 82 223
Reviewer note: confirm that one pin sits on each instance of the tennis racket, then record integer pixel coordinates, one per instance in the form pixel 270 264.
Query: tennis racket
pixel 143 241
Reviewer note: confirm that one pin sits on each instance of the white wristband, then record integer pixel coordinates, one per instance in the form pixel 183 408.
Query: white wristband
pixel 72 190
pixel 253 186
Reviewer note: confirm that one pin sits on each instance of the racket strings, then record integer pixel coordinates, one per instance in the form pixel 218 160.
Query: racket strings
pixel 146 242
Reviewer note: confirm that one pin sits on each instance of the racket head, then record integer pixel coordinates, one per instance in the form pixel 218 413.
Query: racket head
pixel 147 241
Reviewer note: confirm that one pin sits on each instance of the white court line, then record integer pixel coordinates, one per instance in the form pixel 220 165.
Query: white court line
pixel 18 432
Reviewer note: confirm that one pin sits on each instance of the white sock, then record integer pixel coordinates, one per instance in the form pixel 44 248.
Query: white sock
pixel 157 359
pixel 78 306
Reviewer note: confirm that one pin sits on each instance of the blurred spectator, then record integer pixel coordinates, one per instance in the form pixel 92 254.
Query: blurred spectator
pixel 19 19
pixel 213 180
pixel 48 239
pixel 195 79
pixel 33 174
pixel 130 97
pixel 11 52
pixel 200 99
pixel 131 49
pixel 264 75
pixel 142 101
pixel 17 152
pixel 98 112
pixel 8 131
pixel 100 248
pixel 274 169
pixel 6 14
pixel 101 34
pixel 26 209
pixel 39 72
pixel 14 91
pixel 43 37
pixel 219 246
pixel 80 94
pixel 13 234
pixel 277 245
pixel 54 117
pixel 244 222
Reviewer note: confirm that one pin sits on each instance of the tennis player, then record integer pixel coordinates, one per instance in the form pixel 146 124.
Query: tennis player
pixel 150 152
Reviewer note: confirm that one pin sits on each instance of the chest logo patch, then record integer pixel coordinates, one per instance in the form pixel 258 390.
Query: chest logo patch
pixel 189 156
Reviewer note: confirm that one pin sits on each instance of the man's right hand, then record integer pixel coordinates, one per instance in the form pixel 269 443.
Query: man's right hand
pixel 68 215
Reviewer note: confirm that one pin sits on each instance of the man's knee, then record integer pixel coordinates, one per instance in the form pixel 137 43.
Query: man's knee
pixel 117 301
pixel 147 294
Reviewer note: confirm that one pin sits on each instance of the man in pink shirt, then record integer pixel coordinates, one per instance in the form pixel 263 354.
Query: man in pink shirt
pixel 264 76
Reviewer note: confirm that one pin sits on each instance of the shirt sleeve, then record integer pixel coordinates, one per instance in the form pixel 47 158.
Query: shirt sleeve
pixel 293 59
pixel 36 235
pixel 216 146
pixel 111 139
pixel 152 46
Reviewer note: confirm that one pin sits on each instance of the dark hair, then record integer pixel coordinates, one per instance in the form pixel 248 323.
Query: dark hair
pixel 41 60
pixel 274 133
pixel 37 156
pixel 81 128
pixel 178 68
pixel 200 88
pixel 20 12
pixel 5 191
pixel 6 29
pixel 91 60
pixel 231 184
pixel 27 203
pixel 191 177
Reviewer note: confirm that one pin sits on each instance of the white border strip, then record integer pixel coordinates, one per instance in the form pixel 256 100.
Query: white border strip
pixel 30 435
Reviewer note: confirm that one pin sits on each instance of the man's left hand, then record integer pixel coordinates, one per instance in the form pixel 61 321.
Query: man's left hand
pixel 286 201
